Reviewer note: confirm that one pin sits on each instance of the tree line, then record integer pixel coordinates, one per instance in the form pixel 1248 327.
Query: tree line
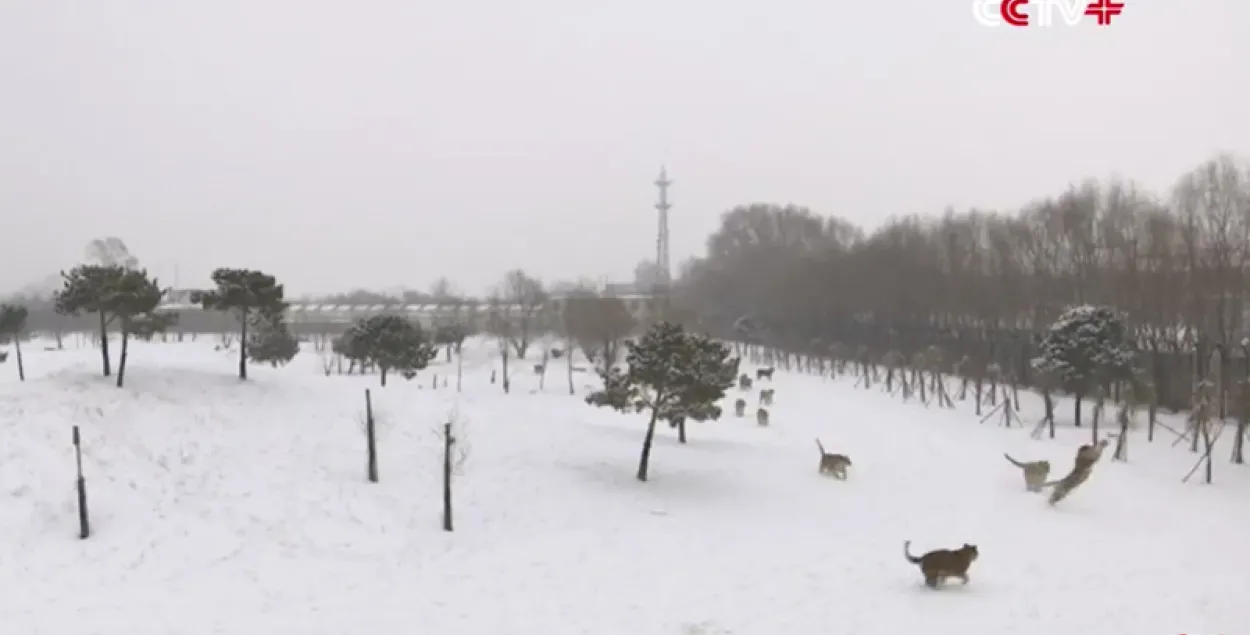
pixel 984 284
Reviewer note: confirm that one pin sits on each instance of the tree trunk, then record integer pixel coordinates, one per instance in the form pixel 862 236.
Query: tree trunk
pixel 1050 411
pixel 681 430
pixel 243 347
pixel 645 459
pixel 568 357
pixel 1077 411
pixel 1209 442
pixel 1151 416
pixel 1193 447
pixel 121 360
pixel 542 377
pixel 1239 442
pixel 506 385
pixel 382 375
pixel 1094 424
pixel 17 348
pixel 104 343
pixel 1121 444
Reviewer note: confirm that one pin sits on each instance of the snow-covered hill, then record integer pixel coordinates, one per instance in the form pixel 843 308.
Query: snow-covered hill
pixel 228 507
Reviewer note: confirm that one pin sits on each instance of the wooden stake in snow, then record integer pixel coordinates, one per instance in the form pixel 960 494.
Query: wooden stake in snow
pixel 370 440
pixel 84 525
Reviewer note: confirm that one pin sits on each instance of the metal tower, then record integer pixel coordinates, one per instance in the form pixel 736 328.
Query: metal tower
pixel 661 239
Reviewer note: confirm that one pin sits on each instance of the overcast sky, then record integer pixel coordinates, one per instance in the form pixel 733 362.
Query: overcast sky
pixel 379 143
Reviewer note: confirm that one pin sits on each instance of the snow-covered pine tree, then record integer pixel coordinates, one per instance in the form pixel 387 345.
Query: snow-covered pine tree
pixel 391 343
pixel 86 289
pixel 244 292
pixel 133 299
pixel 676 375
pixel 270 341
pixel 1086 347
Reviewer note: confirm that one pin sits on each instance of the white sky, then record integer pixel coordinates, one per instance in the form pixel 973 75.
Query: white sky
pixel 378 143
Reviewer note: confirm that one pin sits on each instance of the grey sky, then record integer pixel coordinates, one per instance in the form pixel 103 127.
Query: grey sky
pixel 378 143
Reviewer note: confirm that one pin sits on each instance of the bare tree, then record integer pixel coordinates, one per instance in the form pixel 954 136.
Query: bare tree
pixel 501 324
pixel 110 251
pixel 599 326
pixel 527 297
pixel 981 285
pixel 443 291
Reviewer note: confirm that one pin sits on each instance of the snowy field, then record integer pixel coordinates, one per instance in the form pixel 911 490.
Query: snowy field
pixel 242 508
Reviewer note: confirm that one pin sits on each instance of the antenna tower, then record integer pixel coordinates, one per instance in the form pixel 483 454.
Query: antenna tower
pixel 661 239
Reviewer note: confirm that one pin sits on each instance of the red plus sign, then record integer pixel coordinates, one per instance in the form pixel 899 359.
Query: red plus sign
pixel 1104 10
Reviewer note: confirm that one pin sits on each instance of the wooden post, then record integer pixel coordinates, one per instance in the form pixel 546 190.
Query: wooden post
pixel 17 347
pixel 371 439
pixel 448 441
pixel 84 525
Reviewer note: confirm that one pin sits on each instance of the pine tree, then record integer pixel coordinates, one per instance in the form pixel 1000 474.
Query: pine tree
pixel 675 375
pixel 389 342
pixel 245 293
pixel 1087 347
pixel 87 289
pixel 452 336
pixel 12 323
pixel 133 299
pixel 271 341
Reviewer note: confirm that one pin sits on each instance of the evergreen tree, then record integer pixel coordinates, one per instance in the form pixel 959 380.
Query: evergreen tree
pixel 133 299
pixel 271 341
pixel 12 323
pixel 452 336
pixel 676 375
pixel 245 293
pixel 389 342
pixel 87 289
pixel 1087 347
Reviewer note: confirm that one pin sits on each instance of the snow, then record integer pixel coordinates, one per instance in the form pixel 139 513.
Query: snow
pixel 221 506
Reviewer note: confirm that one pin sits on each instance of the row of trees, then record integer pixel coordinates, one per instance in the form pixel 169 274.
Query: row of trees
pixel 118 295
pixel 1177 265
pixel 130 299
pixel 1184 259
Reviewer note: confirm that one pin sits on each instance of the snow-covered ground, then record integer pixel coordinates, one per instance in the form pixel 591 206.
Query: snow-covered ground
pixel 228 507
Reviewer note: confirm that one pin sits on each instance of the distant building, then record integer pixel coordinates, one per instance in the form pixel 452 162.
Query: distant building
pixel 642 303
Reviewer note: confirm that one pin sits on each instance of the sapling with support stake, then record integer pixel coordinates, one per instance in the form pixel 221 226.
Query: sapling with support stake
pixel 1046 384
pixel 1200 417
pixel 1134 393
pixel 455 454
pixel 542 370
pixel 1007 408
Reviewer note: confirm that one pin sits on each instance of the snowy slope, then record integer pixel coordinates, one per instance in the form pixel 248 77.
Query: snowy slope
pixel 228 507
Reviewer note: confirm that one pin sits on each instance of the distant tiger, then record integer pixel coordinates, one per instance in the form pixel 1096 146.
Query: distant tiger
pixel 833 464
pixel 940 564
pixel 1035 472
